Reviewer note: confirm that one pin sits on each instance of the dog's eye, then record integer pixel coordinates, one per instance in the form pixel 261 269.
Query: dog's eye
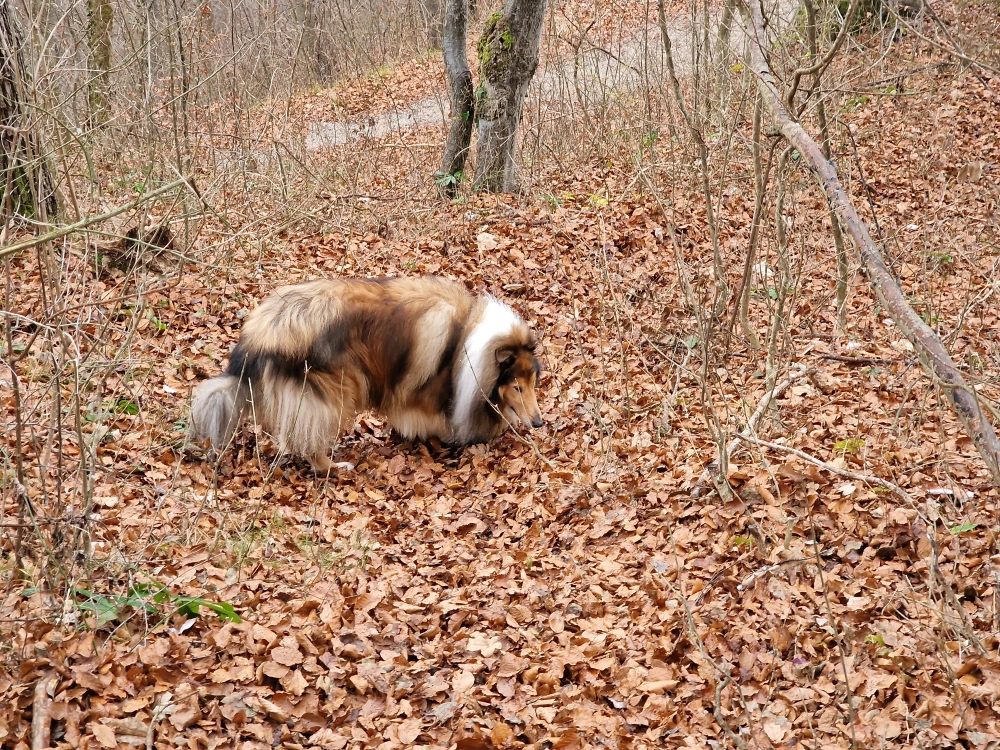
pixel 517 388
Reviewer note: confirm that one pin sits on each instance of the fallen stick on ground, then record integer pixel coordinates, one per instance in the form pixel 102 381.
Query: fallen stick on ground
pixel 41 713
pixel 55 234
pixel 846 473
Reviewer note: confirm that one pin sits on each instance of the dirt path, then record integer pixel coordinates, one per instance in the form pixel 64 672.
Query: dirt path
pixel 634 62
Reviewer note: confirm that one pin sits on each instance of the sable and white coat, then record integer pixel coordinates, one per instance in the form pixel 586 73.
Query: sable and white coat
pixel 432 358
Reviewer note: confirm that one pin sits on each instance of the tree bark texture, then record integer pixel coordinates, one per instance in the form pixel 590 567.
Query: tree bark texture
pixel 933 356
pixel 508 58
pixel 25 184
pixel 100 14
pixel 456 149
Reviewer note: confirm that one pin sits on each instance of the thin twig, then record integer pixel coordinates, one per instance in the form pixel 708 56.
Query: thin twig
pixel 753 422
pixel 973 63
pixel 860 361
pixel 825 60
pixel 933 356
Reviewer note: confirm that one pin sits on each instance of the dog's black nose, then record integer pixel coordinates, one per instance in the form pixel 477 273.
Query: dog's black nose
pixel 537 422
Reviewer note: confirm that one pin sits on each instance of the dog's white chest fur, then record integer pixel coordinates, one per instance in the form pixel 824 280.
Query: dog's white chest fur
pixel 497 321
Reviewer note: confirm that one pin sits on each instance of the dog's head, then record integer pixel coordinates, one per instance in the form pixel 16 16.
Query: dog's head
pixel 518 370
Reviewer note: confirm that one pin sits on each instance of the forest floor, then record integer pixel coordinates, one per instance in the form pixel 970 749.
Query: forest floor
pixel 566 588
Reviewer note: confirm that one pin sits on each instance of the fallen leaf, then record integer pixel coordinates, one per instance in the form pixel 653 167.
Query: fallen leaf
pixel 486 242
pixel 409 730
pixel 184 716
pixel 484 644
pixel 473 743
pixel 462 681
pixel 288 657
pixel 103 734
pixel 273 669
pixel 501 734
pixel 775 729
pixel 294 682
pixel 220 675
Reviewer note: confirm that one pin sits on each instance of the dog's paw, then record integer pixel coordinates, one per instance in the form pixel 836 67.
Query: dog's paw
pixel 323 465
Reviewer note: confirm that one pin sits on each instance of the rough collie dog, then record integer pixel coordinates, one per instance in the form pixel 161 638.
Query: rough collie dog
pixel 426 354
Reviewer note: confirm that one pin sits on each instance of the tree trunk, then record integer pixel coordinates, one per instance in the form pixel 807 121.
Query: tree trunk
pixel 928 347
pixel 99 18
pixel 25 183
pixel 456 149
pixel 508 58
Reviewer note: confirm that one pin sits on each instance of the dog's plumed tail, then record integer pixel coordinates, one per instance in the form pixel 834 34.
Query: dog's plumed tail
pixel 217 410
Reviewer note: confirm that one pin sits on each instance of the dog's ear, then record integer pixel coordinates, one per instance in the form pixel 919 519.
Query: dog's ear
pixel 532 342
pixel 505 357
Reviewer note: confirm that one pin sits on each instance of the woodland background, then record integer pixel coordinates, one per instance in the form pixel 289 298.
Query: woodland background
pixel 585 585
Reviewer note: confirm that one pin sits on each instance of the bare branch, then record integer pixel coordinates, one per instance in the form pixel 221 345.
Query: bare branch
pixel 752 423
pixel 818 66
pixel 926 344
pixel 957 49
pixel 696 135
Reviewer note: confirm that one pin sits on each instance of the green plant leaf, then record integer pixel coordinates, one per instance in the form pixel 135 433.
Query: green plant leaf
pixel 850 445
pixel 105 610
pixel 126 406
pixel 445 179
pixel 190 606
pixel 963 528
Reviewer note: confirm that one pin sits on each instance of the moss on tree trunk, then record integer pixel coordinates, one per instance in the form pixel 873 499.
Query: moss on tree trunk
pixel 508 57
pixel 507 52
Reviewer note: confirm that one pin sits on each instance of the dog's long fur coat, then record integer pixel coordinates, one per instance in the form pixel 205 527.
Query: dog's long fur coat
pixel 423 352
